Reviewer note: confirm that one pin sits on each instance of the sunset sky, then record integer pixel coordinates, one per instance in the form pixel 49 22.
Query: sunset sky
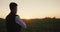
pixel 32 8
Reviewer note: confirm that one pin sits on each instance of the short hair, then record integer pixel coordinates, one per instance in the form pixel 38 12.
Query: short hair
pixel 12 5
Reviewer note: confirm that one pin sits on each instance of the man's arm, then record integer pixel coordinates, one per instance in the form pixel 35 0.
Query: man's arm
pixel 20 22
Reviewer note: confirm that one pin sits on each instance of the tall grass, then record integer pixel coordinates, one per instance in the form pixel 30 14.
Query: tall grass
pixel 37 25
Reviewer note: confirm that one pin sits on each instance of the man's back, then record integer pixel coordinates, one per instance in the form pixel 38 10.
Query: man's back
pixel 12 26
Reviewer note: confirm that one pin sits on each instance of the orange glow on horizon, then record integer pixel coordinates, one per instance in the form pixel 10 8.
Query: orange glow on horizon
pixel 31 9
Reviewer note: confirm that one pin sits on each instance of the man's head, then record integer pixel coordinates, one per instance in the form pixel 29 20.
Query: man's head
pixel 13 7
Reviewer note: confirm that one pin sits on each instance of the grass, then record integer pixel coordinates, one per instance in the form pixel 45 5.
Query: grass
pixel 37 25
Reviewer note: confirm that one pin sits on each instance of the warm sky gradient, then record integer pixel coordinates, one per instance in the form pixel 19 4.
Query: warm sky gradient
pixel 32 8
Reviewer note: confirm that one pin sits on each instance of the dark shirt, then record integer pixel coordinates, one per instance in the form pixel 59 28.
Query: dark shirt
pixel 12 26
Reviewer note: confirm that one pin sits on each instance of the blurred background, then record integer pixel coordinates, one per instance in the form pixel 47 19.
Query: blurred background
pixel 39 15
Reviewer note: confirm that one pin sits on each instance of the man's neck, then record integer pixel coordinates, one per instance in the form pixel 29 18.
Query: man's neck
pixel 12 13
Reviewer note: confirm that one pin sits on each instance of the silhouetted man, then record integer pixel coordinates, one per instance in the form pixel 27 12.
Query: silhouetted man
pixel 14 23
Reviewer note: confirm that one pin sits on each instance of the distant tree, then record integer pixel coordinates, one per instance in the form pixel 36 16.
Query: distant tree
pixel 54 17
pixel 47 17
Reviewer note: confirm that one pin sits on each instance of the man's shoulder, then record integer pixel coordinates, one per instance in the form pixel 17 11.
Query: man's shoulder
pixel 7 16
pixel 16 15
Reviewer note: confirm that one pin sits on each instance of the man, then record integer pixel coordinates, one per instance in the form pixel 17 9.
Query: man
pixel 14 23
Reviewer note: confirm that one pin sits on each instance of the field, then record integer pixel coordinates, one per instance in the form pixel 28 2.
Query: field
pixel 37 25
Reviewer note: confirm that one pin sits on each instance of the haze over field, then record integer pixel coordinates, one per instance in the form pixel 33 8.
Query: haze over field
pixel 32 8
